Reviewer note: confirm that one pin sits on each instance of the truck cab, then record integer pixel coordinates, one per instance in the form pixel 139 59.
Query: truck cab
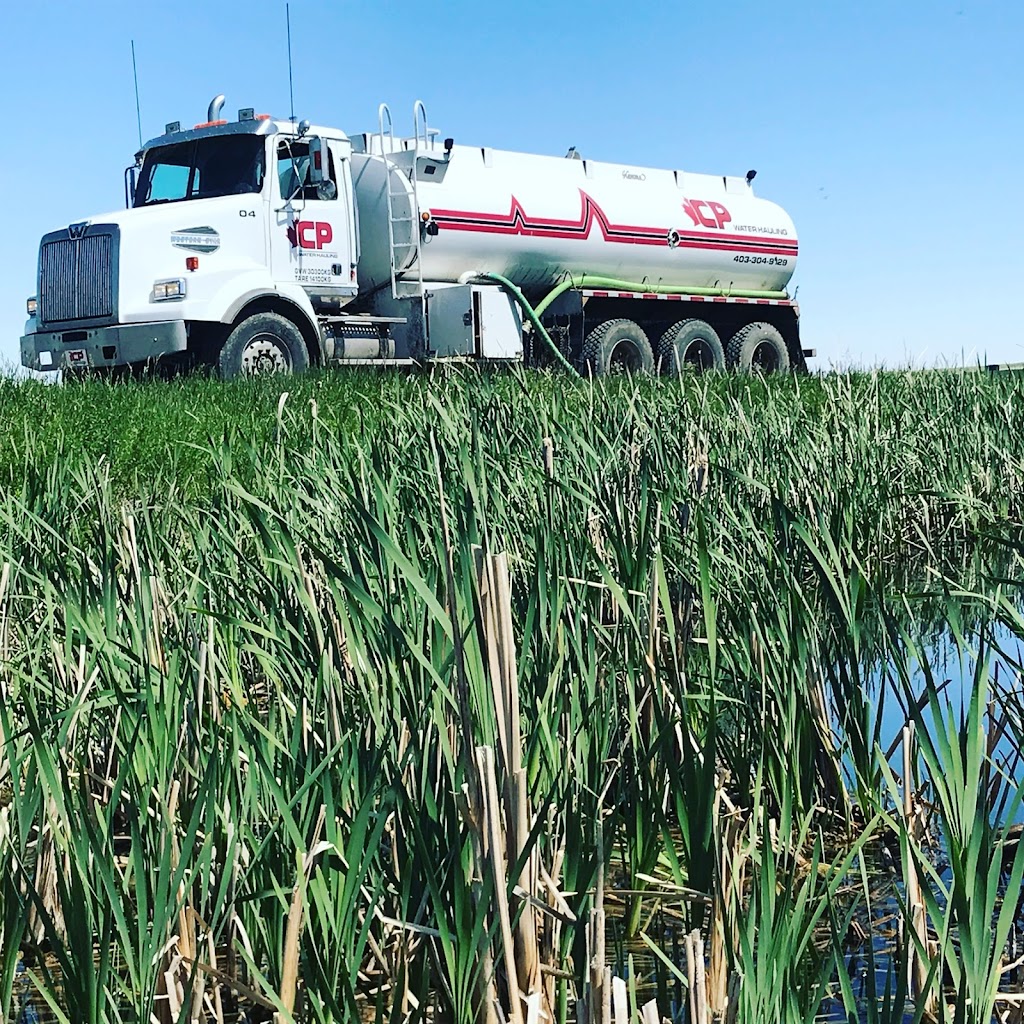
pixel 239 237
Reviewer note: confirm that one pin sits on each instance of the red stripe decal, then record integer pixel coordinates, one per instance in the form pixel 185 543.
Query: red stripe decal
pixel 516 222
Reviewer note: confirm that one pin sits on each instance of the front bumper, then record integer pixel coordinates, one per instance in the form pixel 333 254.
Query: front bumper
pixel 103 346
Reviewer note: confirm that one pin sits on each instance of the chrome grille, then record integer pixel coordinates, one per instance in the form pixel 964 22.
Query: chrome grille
pixel 77 278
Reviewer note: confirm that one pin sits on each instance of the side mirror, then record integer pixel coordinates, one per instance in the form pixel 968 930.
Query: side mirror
pixel 129 186
pixel 326 189
pixel 317 160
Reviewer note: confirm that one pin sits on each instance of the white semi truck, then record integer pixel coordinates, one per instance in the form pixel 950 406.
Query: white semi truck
pixel 264 245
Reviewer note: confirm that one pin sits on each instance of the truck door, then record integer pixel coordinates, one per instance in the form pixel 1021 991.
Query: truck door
pixel 312 226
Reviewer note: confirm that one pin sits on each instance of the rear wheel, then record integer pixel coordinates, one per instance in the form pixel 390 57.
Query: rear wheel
pixel 617 346
pixel 690 345
pixel 265 343
pixel 758 348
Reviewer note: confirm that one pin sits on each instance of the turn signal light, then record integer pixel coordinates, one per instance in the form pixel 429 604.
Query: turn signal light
pixel 191 262
pixel 31 305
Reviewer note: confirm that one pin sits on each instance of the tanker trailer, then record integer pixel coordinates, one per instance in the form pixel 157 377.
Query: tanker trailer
pixel 268 245
pixel 619 266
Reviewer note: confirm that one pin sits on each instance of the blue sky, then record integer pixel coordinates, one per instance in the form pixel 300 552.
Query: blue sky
pixel 891 132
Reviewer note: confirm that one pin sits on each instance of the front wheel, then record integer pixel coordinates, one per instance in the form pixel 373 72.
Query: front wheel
pixel 265 343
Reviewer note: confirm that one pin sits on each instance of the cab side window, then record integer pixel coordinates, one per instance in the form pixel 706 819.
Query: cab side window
pixel 293 166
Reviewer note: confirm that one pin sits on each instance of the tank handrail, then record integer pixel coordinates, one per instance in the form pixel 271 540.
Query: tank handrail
pixel 419 117
pixel 384 111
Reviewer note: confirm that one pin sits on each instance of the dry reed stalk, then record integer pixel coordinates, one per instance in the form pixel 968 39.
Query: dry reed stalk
pixel 699 468
pixel 45 884
pixel 548 450
pixel 462 690
pixel 293 929
pixel 645 707
pixel 5 583
pixel 733 1002
pixel 494 590
pixel 917 949
pixel 691 976
pixel 198 981
pixel 702 991
pixel 179 955
pixel 620 1001
pixel 596 994
pixel 493 654
pixel 596 535
pixel 157 620
pixel 186 930
pixel 130 545
pixel 827 756
pixel 649 1013
pixel 211 953
pixel 560 913
pixel 534 1014
pixel 485 762
pixel 527 955
pixel 723 936
pixel 292 935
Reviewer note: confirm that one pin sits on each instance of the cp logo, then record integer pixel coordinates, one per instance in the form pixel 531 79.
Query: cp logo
pixel 310 234
pixel 716 217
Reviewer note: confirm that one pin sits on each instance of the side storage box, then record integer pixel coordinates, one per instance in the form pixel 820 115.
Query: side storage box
pixel 473 321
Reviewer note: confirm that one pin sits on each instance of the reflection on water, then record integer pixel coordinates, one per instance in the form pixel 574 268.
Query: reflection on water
pixel 921 656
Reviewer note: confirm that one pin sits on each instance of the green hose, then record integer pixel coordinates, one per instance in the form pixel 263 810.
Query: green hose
pixel 534 313
pixel 657 289
pixel 531 315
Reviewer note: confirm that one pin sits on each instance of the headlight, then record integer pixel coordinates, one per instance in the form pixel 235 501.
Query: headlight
pixel 31 305
pixel 173 288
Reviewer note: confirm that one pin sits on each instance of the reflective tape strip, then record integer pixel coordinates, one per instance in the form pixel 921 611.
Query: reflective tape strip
pixel 678 297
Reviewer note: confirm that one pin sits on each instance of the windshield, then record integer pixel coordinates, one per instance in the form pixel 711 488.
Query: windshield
pixel 218 165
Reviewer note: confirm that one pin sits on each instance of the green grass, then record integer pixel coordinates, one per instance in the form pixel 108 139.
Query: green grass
pixel 246 668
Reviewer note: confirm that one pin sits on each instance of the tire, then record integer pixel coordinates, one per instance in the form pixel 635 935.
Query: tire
pixel 690 344
pixel 264 343
pixel 616 346
pixel 757 348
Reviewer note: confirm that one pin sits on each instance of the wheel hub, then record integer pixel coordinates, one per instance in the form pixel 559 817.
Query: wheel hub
pixel 625 359
pixel 765 358
pixel 698 355
pixel 265 354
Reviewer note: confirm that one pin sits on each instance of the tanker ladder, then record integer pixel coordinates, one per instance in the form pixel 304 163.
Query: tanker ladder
pixel 402 287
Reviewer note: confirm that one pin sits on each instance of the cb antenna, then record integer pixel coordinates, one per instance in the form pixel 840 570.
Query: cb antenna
pixel 138 109
pixel 291 87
